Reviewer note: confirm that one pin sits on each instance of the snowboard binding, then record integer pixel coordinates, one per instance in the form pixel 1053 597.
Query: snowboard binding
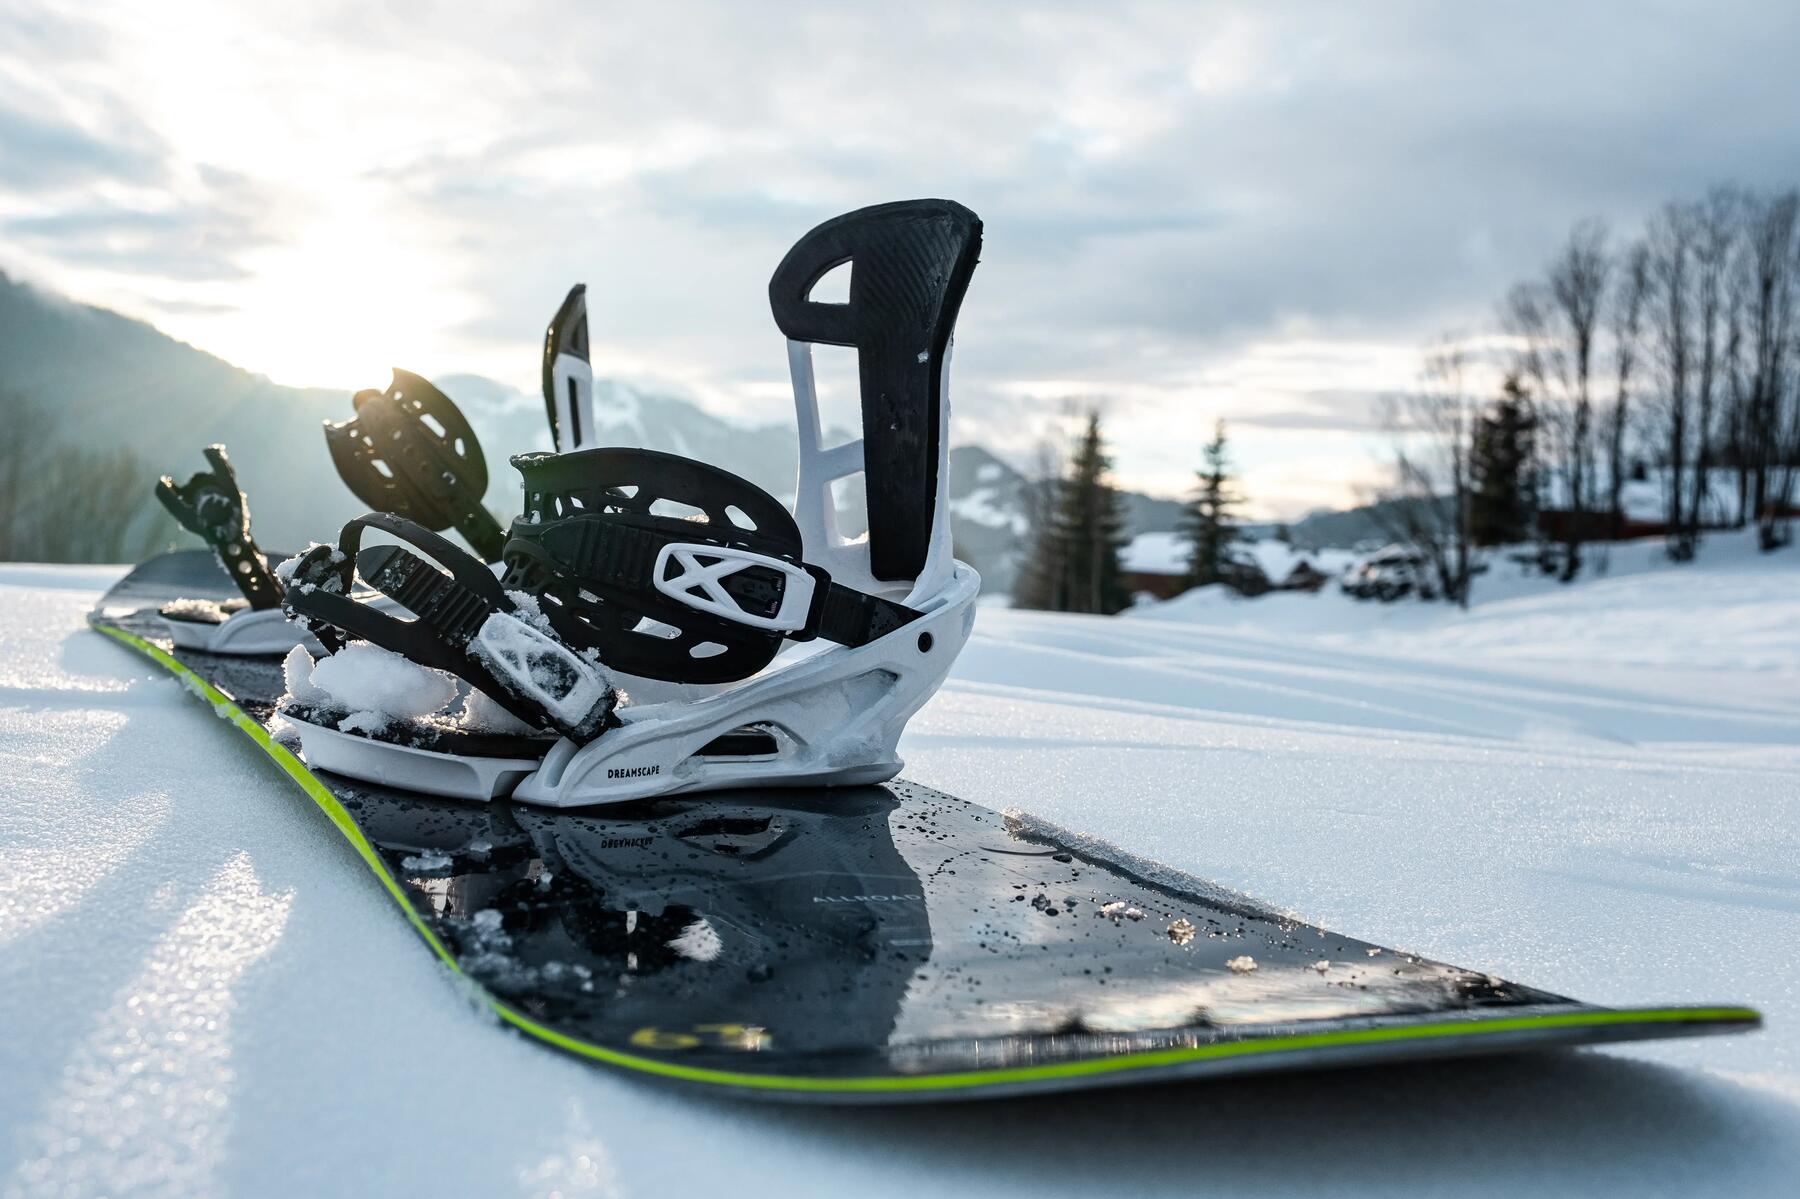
pixel 757 647
pixel 568 375
pixel 410 451
pixel 212 506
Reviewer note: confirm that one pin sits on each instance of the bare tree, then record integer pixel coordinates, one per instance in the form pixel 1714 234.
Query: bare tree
pixel 1042 570
pixel 1768 275
pixel 1776 530
pixel 1627 331
pixel 1556 322
pixel 1703 322
pixel 1716 231
pixel 1732 365
pixel 1524 315
pixel 1431 485
pixel 1672 235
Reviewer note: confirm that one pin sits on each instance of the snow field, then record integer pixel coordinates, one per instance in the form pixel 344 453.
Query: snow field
pixel 1590 789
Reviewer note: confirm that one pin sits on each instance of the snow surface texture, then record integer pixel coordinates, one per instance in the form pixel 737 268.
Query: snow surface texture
pixel 194 609
pixel 376 688
pixel 1590 789
pixel 367 680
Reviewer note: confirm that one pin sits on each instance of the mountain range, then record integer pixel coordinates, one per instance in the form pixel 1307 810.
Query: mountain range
pixel 74 374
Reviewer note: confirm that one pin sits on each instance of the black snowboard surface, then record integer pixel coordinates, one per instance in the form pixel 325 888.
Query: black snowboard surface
pixel 874 944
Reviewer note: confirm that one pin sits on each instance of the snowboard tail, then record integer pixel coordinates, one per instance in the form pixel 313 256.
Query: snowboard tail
pixel 874 944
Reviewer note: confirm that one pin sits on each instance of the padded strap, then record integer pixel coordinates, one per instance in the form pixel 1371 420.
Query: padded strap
pixel 614 553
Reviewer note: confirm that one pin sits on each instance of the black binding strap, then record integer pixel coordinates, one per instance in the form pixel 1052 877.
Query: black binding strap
pixel 451 610
pixel 851 617
pixel 910 266
pixel 636 629
pixel 597 523
pixel 212 505
pixel 322 578
pixel 615 555
pixel 392 455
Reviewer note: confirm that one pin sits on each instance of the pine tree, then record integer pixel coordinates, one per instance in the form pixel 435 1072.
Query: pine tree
pixel 1211 526
pixel 1501 503
pixel 1090 530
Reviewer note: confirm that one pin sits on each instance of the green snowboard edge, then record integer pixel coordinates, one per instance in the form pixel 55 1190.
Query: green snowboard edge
pixel 1438 1038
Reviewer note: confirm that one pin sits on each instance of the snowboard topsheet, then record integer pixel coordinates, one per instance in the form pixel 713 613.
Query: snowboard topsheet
pixel 877 943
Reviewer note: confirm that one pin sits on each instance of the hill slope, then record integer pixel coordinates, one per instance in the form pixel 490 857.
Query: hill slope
pixel 103 380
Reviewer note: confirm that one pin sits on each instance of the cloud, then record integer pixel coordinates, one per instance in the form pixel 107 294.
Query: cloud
pixel 198 239
pixel 41 153
pixel 1167 186
pixel 1333 412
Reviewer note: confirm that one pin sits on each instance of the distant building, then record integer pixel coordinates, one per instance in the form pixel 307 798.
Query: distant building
pixel 1304 577
pixel 1156 564
pixel 1643 505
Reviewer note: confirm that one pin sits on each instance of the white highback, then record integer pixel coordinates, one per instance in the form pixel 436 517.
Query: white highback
pixel 574 382
pixel 846 558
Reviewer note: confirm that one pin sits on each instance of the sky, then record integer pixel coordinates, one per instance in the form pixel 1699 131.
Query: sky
pixel 1258 212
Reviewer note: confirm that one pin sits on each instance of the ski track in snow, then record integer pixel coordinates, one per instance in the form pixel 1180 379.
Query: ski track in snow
pixel 1589 789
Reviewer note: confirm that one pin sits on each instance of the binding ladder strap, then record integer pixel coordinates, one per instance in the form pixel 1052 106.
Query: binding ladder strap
pixel 212 505
pixel 674 569
pixel 568 376
pixel 465 624
pixel 410 451
pixel 910 264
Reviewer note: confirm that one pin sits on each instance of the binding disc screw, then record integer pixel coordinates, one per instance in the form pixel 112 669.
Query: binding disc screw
pixel 924 643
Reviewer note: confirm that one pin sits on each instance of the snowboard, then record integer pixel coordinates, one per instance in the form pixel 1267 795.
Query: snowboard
pixel 870 944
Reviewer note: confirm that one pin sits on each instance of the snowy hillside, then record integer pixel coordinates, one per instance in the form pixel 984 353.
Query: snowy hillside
pixel 80 374
pixel 1593 789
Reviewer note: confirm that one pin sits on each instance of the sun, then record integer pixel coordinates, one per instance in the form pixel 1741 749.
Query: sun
pixel 353 293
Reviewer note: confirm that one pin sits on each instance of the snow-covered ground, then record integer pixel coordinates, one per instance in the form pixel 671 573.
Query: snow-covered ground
pixel 1593 789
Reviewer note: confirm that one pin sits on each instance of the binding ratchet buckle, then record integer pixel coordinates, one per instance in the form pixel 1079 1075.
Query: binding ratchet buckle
pixel 742 585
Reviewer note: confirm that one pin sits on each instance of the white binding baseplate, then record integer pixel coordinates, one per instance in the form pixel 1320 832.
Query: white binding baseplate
pixel 832 717
pixel 455 776
pixel 246 632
